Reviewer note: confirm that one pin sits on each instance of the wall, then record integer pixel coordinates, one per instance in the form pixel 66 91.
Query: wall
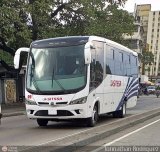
pixel 10 90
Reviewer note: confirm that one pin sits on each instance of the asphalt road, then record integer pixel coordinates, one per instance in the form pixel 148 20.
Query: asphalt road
pixel 19 130
pixel 145 103
pixel 142 137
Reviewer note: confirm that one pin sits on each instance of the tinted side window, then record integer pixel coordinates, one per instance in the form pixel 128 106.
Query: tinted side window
pixel 98 61
pixel 119 62
pixel 119 68
pixel 134 68
pixel 127 65
pixel 109 58
pixel 92 68
pixel 97 64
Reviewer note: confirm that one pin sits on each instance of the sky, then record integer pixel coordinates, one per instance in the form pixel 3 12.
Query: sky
pixel 129 6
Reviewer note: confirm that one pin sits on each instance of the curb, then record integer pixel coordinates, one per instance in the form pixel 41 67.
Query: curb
pixel 84 138
pixel 13 114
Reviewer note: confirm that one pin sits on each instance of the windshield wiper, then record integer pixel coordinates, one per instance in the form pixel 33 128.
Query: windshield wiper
pixel 59 84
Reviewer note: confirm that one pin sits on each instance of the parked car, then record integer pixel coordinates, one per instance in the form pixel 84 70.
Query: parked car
pixel 151 89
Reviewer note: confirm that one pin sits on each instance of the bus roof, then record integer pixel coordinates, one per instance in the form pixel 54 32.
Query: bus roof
pixel 61 41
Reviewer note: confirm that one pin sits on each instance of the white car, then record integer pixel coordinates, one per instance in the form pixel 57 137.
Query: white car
pixel 151 89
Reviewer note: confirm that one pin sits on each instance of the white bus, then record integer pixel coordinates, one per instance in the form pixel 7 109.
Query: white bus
pixel 105 79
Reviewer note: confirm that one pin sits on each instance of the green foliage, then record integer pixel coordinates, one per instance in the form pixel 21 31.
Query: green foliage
pixel 14 30
pixel 6 57
pixel 111 23
pixel 147 57
pixel 23 21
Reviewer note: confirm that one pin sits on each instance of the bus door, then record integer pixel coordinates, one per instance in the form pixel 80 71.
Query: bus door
pixel 98 66
pixel 108 78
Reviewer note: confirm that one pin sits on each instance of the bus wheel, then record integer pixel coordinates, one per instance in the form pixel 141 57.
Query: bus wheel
pixel 91 122
pixel 42 122
pixel 120 113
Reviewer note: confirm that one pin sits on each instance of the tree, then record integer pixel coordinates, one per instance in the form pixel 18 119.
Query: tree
pixel 23 21
pixel 111 23
pixel 14 31
pixel 147 59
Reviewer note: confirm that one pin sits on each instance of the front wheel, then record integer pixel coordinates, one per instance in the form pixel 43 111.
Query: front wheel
pixel 92 121
pixel 42 122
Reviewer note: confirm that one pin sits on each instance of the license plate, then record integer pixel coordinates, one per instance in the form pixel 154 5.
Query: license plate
pixel 52 112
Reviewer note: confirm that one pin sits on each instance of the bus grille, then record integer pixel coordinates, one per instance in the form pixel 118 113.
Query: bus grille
pixel 59 113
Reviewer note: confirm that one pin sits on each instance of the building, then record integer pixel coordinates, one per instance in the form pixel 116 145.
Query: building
pixel 142 11
pixel 153 39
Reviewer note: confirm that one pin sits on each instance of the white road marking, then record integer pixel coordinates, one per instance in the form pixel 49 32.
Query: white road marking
pixel 118 139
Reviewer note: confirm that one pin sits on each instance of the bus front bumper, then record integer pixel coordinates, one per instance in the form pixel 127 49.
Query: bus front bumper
pixel 64 113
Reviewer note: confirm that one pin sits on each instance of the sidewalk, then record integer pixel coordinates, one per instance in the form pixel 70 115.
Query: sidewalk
pixel 13 109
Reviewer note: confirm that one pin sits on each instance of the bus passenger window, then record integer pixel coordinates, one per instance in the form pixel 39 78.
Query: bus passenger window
pixel 99 72
pixel 108 70
pixel 97 65
pixel 92 74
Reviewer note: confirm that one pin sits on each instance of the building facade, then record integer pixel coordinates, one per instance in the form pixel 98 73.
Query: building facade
pixel 142 11
pixel 153 39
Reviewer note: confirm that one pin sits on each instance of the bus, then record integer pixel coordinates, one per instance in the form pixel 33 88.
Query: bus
pixel 106 81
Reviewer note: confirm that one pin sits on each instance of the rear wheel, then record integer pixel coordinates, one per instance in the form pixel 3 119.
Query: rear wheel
pixel 92 121
pixel 120 113
pixel 42 122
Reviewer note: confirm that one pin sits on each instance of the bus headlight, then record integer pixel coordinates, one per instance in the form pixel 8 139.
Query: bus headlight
pixel 79 101
pixel 30 102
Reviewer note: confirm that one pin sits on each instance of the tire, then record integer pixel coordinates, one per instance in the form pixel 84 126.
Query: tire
pixel 92 121
pixel 42 122
pixel 120 113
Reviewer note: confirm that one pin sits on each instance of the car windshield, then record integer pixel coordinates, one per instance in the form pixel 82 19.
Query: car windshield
pixel 58 69
pixel 151 87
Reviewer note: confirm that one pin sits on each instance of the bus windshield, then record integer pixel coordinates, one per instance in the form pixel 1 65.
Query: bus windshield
pixel 56 70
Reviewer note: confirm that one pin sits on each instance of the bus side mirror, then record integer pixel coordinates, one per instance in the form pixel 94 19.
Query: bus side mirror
pixel 17 56
pixel 87 53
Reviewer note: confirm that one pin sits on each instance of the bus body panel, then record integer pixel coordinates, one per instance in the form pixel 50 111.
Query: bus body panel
pixel 57 105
